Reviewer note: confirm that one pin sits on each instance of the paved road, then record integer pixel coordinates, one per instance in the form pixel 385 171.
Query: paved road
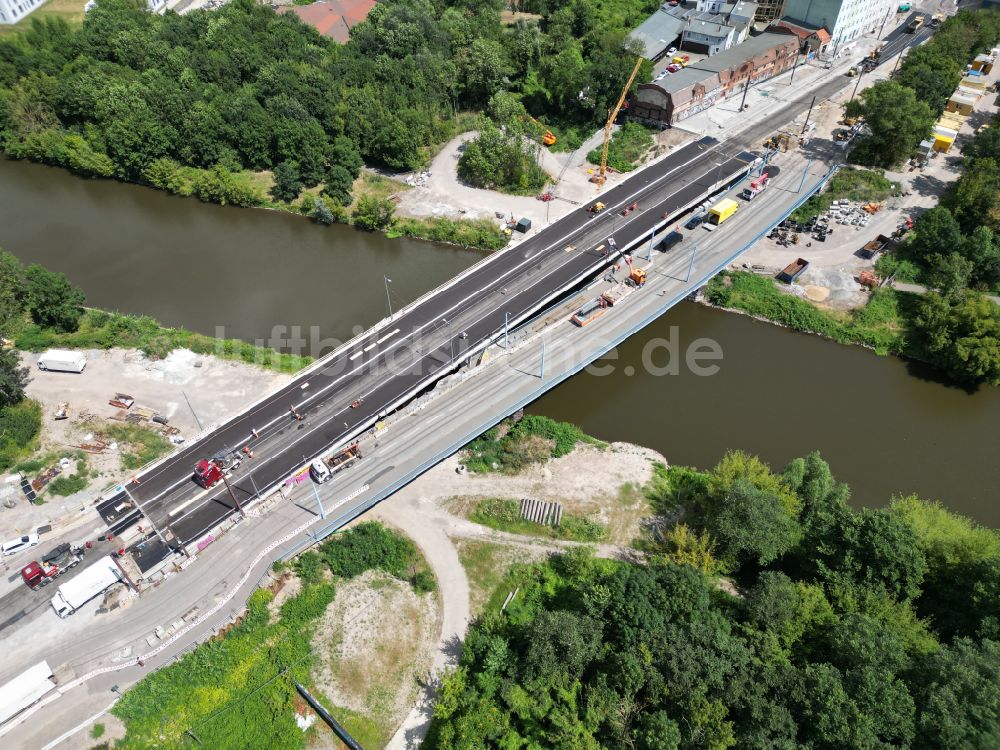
pixel 394 361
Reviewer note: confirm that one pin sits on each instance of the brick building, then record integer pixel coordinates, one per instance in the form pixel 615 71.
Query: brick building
pixel 714 79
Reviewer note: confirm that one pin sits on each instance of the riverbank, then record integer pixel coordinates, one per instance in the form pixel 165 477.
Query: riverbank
pixel 954 334
pixel 100 329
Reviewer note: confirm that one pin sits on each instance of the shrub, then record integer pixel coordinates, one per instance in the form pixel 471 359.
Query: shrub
pixel 368 546
pixel 66 486
pixel 373 213
pixel 424 582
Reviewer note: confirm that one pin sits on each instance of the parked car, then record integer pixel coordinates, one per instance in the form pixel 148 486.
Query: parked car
pixel 694 221
pixel 21 543
pixel 671 51
pixel 673 67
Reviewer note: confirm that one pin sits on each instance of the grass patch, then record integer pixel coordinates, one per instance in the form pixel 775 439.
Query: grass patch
pixel 20 426
pixel 97 731
pixel 478 233
pixel 882 324
pixel 486 564
pixel 376 186
pixel 366 731
pixel 66 486
pixel 505 515
pixel 863 185
pixel 137 445
pixel 70 10
pixel 629 145
pixel 234 692
pixel 511 446
pixel 104 330
pixel 367 546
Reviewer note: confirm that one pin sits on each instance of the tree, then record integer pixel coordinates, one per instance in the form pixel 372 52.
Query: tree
pixel 338 184
pixel 483 68
pixel 958 697
pixel 935 232
pixel 287 183
pixel 753 526
pixel 873 549
pixel 344 153
pixel 948 272
pixel 321 213
pixel 373 213
pixel 961 336
pixel 897 121
pixel 13 378
pixel 52 300
pixel 501 159
pixel 12 294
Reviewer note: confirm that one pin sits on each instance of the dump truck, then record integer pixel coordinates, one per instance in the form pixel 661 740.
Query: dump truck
pixel 596 208
pixel 793 270
pixel 208 472
pixel 914 25
pixel 721 211
pixel 323 469
pixel 54 564
pixel 60 360
pixel 92 582
pixel 755 188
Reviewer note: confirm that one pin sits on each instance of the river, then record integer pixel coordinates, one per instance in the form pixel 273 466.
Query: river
pixel 885 426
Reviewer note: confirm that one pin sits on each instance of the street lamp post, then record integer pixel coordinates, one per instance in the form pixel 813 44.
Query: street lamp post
pixel 387 300
pixel 225 481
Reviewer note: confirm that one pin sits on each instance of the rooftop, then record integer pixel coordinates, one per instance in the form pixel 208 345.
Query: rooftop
pixel 333 19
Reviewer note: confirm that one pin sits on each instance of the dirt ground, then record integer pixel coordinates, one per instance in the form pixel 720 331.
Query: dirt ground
pixel 442 193
pixel 836 264
pixel 178 387
pixel 374 647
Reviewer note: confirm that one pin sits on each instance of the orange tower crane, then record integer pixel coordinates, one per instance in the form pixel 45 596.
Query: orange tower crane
pixel 600 177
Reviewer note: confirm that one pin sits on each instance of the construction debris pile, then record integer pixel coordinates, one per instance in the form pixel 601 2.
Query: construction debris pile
pixel 418 179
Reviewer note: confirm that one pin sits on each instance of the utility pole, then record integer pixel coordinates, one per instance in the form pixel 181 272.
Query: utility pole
pixel 897 62
pixel 147 517
pixel 506 330
pixel 861 74
pixel 694 249
pixel 225 481
pixel 806 124
pixel 541 372
pixel 746 88
pixel 798 54
pixel 883 22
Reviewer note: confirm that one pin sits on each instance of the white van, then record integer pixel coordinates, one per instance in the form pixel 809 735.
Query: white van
pixel 61 360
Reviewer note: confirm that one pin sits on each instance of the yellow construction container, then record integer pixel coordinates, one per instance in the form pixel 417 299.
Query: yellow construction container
pixel 942 142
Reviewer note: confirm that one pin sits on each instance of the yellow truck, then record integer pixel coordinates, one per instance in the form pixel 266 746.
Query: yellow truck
pixel 720 212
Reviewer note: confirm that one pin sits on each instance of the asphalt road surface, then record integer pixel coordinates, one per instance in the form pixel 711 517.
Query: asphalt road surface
pixel 390 364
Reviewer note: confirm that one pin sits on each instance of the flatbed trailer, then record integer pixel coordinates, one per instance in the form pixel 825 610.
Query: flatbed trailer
pixel 24 690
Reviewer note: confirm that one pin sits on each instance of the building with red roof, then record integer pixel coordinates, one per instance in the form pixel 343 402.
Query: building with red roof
pixel 333 19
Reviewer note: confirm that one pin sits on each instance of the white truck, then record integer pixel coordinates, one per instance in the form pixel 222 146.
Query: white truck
pixel 61 360
pixel 24 690
pixel 93 581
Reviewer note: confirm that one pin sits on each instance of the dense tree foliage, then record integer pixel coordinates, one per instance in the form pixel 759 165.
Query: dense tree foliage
pixel 150 98
pixel 961 335
pixel 843 634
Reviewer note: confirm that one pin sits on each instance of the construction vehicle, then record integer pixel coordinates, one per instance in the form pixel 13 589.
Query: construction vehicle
pixel 793 270
pixel 548 137
pixel 208 472
pixel 601 176
pixel 914 25
pixel 629 208
pixel 596 208
pixel 92 582
pixel 323 469
pixel 936 20
pixel 721 211
pixel 636 277
pixel 54 564
pixel 756 187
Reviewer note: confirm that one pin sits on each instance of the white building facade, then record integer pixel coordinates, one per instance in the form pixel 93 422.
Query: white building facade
pixel 846 20
pixel 12 11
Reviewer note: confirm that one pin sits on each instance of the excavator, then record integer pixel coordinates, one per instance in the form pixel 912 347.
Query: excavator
pixel 548 137
pixel 599 178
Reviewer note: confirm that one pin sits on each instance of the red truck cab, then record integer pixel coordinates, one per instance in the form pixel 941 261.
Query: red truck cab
pixel 207 473
pixel 35 576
